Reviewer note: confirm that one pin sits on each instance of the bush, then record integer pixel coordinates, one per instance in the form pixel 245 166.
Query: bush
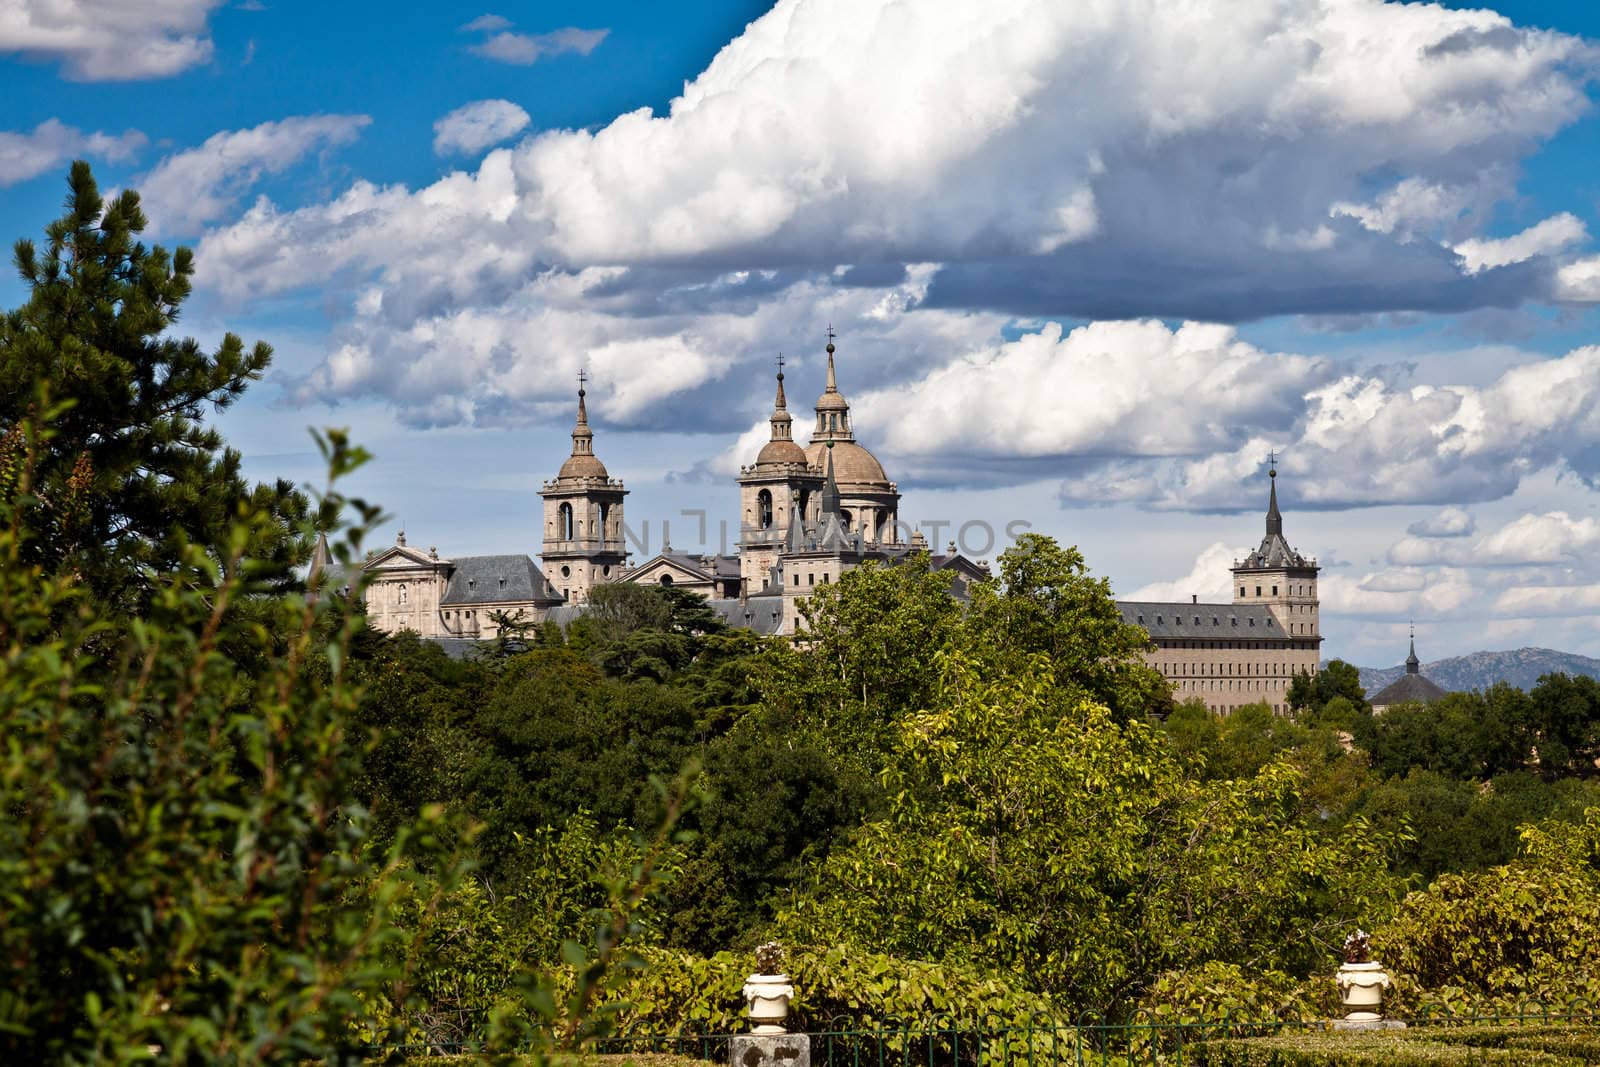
pixel 1404 1048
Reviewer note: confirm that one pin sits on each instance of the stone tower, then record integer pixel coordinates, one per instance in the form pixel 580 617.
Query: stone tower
pixel 583 538
pixel 1280 578
pixel 775 491
pixel 869 501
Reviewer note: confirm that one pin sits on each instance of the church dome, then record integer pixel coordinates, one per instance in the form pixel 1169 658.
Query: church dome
pixel 852 464
pixel 583 466
pixel 776 452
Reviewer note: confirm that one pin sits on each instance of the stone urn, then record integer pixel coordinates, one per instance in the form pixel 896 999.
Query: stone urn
pixel 1362 981
pixel 767 992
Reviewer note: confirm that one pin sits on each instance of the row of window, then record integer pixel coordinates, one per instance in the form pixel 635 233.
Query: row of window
pixel 1241 685
pixel 811 578
pixel 1221 669
pixel 1294 590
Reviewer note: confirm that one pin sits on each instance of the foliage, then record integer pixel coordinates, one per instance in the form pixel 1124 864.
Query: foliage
pixel 1336 679
pixel 130 481
pixel 183 864
pixel 1051 841
pixel 1400 1048
pixel 680 992
pixel 1216 990
pixel 1045 603
pixel 1529 929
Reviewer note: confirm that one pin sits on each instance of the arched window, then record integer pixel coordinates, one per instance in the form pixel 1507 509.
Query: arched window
pixel 846 517
pixel 564 522
pixel 666 579
pixel 605 515
pixel 764 509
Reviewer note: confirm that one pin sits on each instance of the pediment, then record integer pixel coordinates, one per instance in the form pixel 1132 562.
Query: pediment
pixel 403 557
pixel 651 570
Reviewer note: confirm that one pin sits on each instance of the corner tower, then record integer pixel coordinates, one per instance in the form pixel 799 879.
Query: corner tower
pixel 1278 577
pixel 583 540
pixel 775 492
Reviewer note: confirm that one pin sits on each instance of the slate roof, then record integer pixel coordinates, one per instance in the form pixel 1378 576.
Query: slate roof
pixel 477 580
pixel 1407 689
pixel 1217 622
pixel 726 566
pixel 763 614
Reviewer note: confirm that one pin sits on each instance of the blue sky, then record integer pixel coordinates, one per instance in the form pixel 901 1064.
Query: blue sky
pixel 1378 220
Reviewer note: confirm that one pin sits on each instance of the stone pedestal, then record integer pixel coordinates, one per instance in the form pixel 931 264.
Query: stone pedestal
pixel 769 1050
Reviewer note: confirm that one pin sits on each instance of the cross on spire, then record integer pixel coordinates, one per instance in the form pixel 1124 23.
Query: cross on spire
pixel 780 364
pixel 583 377
pixel 1272 462
pixel 831 334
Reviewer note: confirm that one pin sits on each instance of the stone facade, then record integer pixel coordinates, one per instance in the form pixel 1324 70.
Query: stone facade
pixel 1246 652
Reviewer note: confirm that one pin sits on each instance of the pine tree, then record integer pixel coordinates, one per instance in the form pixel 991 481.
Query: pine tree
pixel 131 472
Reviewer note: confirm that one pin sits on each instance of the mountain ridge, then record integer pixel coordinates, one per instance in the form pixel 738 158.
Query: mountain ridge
pixel 1521 667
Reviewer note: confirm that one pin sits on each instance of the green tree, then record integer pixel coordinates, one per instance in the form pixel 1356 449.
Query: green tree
pixel 1045 602
pixel 1564 725
pixel 183 863
pixel 130 475
pixel 1336 679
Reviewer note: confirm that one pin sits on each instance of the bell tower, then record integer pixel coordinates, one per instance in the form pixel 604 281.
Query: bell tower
pixel 775 492
pixel 1280 578
pixel 583 538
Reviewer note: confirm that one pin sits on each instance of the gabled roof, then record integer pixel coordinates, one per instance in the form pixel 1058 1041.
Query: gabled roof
pixel 1203 622
pixel 496 579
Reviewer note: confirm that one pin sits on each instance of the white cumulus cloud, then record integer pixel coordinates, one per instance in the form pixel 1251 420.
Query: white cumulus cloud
pixel 525 49
pixel 110 40
pixel 52 143
pixel 1552 235
pixel 834 142
pixel 199 185
pixel 473 127
pixel 1449 522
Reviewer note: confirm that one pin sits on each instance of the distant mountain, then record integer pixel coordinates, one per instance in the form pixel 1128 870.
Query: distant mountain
pixel 1479 670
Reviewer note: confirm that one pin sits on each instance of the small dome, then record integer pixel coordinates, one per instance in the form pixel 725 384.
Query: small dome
pixel 852 464
pixel 774 452
pixel 832 401
pixel 583 466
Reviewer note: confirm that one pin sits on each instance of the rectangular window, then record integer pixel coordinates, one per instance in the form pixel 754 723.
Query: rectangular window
pixel 1274 590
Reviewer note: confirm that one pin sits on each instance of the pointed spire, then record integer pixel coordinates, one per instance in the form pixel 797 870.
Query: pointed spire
pixel 320 556
pixel 833 410
pixel 782 424
pixel 833 386
pixel 582 436
pixel 321 560
pixel 830 489
pixel 1274 519
pixel 1413 664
